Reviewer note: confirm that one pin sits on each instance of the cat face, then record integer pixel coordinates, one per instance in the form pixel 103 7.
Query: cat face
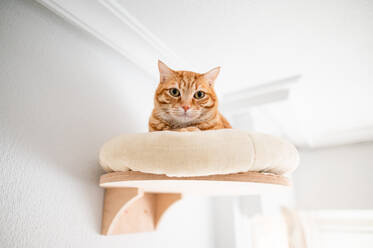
pixel 183 97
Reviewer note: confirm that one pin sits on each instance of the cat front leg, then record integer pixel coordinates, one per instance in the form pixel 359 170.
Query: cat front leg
pixel 157 125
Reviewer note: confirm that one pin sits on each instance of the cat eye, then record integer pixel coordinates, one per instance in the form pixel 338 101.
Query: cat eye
pixel 199 94
pixel 174 92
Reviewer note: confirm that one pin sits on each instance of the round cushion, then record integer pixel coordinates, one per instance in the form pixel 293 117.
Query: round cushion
pixel 199 153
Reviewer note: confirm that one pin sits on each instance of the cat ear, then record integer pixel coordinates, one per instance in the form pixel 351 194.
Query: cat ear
pixel 164 71
pixel 211 75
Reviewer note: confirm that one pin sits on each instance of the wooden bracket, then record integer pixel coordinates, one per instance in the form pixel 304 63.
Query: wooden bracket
pixel 135 201
pixel 130 210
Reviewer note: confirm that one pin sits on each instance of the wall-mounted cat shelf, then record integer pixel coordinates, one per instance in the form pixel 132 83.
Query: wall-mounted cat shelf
pixel 135 201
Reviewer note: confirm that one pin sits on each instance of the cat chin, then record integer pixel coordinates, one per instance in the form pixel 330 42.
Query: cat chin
pixel 181 116
pixel 184 119
pixel 179 120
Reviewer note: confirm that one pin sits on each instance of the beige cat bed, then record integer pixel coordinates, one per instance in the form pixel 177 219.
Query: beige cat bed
pixel 204 153
pixel 151 171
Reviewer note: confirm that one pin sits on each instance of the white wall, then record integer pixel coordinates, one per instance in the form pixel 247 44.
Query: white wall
pixel 62 94
pixel 335 178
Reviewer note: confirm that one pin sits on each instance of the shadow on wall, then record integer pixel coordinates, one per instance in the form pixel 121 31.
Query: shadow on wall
pixel 62 95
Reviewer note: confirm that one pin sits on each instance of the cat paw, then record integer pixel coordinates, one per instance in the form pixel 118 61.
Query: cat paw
pixel 188 129
pixel 193 129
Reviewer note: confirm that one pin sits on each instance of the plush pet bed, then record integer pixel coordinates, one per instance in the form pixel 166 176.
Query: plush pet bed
pixel 202 153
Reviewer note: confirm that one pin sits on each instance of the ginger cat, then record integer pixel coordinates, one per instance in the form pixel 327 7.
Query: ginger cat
pixel 186 101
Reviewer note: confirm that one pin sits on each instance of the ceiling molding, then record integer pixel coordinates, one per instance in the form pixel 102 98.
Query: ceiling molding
pixel 343 137
pixel 111 23
pixel 241 101
pixel 266 108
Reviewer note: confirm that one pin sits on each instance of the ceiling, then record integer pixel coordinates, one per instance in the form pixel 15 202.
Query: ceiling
pixel 325 48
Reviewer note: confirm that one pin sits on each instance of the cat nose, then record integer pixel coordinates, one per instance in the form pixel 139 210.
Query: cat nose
pixel 186 108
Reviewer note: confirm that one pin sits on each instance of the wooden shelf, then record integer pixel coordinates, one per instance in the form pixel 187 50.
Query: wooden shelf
pixel 135 201
pixel 231 184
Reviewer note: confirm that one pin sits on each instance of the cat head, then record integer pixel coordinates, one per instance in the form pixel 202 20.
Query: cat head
pixel 185 97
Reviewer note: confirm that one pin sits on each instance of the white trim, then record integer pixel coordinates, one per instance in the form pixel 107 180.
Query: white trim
pixel 343 137
pixel 111 23
pixel 260 89
pixel 129 20
pixel 241 101
pixel 248 109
